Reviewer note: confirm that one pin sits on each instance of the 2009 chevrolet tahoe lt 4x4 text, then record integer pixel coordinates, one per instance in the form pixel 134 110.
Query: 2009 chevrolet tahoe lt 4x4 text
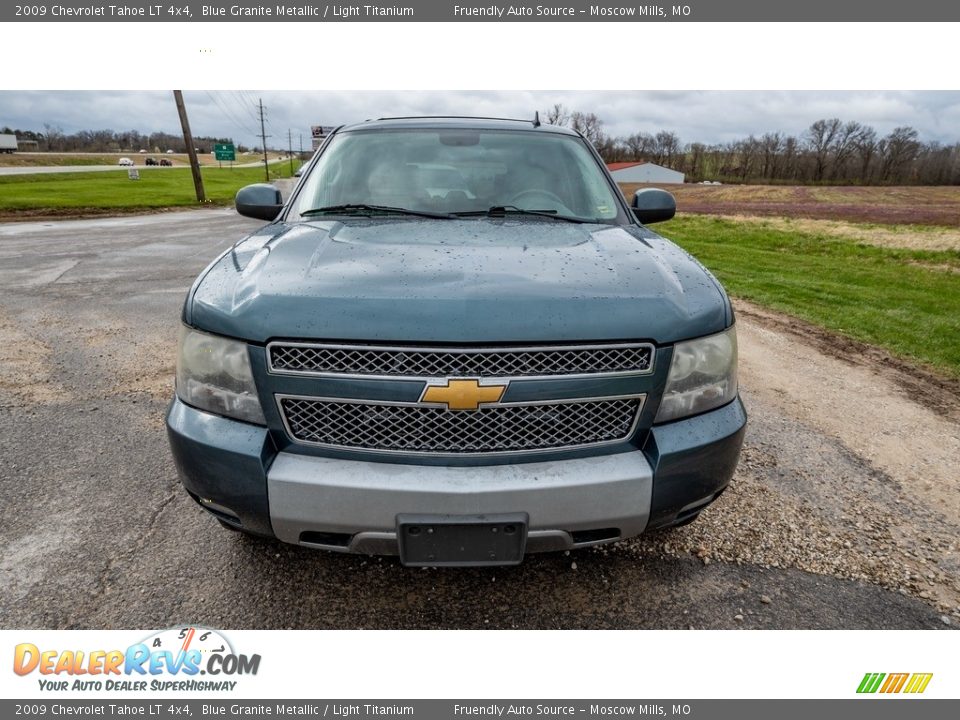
pixel 458 343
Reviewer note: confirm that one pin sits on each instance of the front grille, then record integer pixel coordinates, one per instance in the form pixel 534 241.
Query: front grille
pixel 417 429
pixel 319 359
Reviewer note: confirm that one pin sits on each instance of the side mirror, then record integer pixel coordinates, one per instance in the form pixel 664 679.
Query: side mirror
pixel 260 201
pixel 652 205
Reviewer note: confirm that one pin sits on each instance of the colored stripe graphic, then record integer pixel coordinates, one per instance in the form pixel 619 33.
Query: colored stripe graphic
pixel 918 682
pixel 894 683
pixel 870 682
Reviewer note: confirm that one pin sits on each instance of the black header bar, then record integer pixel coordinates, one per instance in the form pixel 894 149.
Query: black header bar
pixel 478 11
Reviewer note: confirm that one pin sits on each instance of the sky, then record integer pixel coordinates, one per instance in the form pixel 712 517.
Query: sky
pixel 696 116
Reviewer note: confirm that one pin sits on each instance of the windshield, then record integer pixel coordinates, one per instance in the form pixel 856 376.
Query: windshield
pixel 455 171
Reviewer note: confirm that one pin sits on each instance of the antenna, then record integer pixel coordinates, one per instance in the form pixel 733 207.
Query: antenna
pixel 536 118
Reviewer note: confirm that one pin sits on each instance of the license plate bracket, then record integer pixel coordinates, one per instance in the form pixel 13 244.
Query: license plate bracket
pixel 462 540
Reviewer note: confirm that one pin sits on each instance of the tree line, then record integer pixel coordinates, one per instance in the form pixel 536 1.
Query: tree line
pixel 830 151
pixel 53 139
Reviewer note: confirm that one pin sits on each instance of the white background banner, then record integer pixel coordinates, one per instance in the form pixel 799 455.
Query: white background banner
pixel 524 664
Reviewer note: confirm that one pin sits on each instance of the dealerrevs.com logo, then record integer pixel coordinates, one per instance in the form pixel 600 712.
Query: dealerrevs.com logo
pixel 168 660
pixel 910 683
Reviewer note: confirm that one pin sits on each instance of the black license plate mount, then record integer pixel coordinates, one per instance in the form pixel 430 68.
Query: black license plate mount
pixel 462 540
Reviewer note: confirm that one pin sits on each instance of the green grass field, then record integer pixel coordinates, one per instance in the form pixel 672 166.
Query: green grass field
pixel 907 301
pixel 75 193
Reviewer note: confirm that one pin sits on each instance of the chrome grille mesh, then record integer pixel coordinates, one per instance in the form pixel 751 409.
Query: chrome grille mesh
pixel 417 429
pixel 414 362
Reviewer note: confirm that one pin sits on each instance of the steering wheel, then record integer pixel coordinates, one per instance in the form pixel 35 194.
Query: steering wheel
pixel 515 200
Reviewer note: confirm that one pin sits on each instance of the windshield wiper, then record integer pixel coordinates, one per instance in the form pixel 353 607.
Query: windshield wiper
pixel 504 210
pixel 361 208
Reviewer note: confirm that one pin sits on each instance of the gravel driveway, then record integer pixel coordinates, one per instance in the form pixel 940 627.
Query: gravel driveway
pixel 844 512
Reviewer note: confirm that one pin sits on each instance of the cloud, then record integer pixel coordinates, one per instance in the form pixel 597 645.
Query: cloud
pixel 701 116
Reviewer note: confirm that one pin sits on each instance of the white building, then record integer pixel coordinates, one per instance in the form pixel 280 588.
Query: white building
pixel 644 172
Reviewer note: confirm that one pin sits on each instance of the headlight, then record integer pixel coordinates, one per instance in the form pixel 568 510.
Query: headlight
pixel 213 373
pixel 703 375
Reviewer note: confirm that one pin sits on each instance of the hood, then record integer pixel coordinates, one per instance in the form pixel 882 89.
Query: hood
pixel 458 281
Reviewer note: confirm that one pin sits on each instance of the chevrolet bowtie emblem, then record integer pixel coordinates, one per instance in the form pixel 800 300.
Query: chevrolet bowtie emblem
pixel 463 394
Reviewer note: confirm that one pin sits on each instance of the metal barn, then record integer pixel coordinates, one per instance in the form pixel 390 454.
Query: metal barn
pixel 644 172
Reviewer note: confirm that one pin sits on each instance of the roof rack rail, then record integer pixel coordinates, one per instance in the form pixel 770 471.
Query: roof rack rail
pixel 536 121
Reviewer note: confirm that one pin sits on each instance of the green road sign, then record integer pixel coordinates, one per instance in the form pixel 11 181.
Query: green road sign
pixel 224 152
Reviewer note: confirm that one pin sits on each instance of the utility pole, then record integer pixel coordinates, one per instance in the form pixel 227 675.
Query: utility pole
pixel 263 138
pixel 191 150
pixel 290 148
pixel 301 147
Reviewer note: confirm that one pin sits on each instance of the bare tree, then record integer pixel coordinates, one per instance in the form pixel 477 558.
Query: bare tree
pixel 639 145
pixel 844 145
pixel 666 148
pixel 866 148
pixel 557 115
pixel 899 149
pixel 820 137
pixel 612 149
pixel 588 125
pixel 54 137
pixel 771 145
pixel 749 151
pixel 695 159
pixel 791 151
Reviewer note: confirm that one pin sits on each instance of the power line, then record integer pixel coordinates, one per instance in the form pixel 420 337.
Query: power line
pixel 263 136
pixel 251 102
pixel 229 115
pixel 290 148
pixel 239 119
pixel 246 106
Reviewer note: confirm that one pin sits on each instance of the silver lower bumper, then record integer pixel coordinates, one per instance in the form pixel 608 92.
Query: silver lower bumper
pixel 362 499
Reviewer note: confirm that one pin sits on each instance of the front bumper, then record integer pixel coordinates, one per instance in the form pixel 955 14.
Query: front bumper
pixel 234 471
pixel 358 502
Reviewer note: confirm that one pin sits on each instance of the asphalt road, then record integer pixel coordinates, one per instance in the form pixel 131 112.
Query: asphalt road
pixel 137 159
pixel 97 533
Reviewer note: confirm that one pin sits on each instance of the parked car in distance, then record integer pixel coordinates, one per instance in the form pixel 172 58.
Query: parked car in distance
pixel 150 161
pixel 165 162
pixel 125 162
pixel 455 342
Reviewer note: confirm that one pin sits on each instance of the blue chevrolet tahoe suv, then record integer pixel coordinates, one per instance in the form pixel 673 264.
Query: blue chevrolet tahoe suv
pixel 456 342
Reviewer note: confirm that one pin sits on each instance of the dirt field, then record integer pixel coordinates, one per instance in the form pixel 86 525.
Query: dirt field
pixel 909 237
pixel 896 524
pixel 882 205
